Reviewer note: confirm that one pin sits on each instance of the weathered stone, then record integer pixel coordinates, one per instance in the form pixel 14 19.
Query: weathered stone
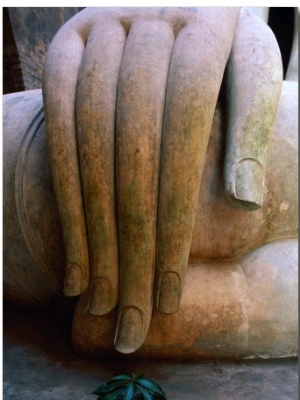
pixel 130 98
pixel 33 29
pixel 167 66
pixel 246 307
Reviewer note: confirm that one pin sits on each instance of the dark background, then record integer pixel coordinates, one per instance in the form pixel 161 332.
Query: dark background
pixel 28 31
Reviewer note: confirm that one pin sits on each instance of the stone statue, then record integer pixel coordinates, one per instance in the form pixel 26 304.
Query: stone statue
pixel 135 129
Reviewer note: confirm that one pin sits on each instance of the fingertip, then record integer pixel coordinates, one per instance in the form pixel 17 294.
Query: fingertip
pixel 130 333
pixel 245 189
pixel 101 299
pixel 74 282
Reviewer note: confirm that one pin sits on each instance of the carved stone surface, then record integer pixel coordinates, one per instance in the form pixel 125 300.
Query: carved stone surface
pixel 33 29
pixel 244 305
pixel 156 184
pixel 245 308
pixel 32 241
pixel 129 97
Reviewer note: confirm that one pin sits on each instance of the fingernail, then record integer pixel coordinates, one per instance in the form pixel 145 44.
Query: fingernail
pixel 100 300
pixel 73 281
pixel 249 183
pixel 129 330
pixel 169 293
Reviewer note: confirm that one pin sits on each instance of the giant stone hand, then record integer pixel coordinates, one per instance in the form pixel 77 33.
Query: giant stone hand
pixel 129 97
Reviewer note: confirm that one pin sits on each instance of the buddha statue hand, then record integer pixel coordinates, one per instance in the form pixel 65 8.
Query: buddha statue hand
pixel 129 97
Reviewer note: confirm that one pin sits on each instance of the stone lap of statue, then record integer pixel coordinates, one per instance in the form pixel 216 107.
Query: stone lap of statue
pixel 143 84
pixel 242 303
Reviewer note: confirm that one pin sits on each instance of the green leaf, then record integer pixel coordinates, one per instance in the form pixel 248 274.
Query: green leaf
pixel 124 385
pixel 110 387
pixel 121 378
pixel 147 396
pixel 130 391
pixel 118 392
pixel 151 386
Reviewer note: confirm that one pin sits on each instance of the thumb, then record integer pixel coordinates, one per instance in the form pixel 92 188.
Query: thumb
pixel 254 80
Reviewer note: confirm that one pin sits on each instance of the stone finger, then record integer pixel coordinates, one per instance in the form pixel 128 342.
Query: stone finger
pixel 95 110
pixel 59 87
pixel 140 107
pixel 254 81
pixel 197 65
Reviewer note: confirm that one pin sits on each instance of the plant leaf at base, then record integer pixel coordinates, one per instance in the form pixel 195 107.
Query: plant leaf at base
pixel 151 386
pixel 147 396
pixel 112 396
pixel 110 387
pixel 121 378
pixel 130 391
pixel 125 387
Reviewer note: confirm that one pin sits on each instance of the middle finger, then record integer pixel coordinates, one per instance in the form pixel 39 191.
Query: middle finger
pixel 141 96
